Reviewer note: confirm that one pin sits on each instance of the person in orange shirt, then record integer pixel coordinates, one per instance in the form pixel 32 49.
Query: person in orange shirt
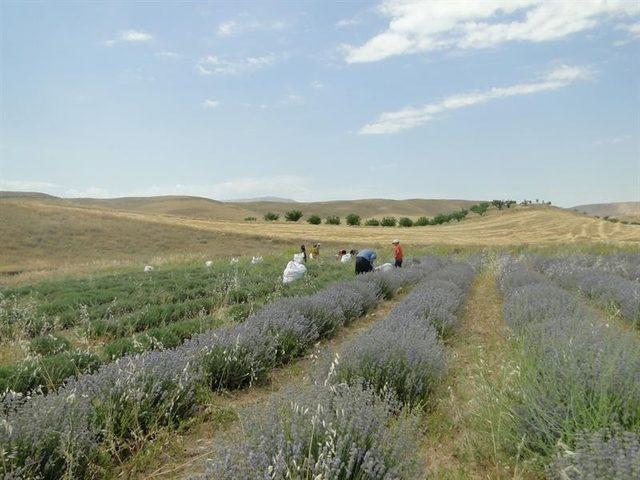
pixel 397 253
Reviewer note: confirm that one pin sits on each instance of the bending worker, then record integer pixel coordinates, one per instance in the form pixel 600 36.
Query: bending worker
pixel 397 253
pixel 364 261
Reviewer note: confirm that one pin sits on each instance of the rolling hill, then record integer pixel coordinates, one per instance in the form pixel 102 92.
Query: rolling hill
pixel 47 235
pixel 365 208
pixel 621 210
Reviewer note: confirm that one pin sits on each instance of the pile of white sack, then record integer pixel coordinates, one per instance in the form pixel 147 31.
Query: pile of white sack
pixel 295 269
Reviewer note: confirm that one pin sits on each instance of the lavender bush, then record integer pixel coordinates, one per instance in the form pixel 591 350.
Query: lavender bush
pixel 337 432
pixel 574 373
pixel 126 401
pixel 403 352
pixel 603 455
pixel 595 279
pixel 354 424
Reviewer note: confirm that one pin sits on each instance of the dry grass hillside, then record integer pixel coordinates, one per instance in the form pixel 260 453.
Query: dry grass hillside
pixel 43 235
pixel 365 208
pixel 38 236
pixel 621 210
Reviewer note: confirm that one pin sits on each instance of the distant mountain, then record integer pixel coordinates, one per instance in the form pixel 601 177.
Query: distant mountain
pixel 9 194
pixel 621 210
pixel 262 199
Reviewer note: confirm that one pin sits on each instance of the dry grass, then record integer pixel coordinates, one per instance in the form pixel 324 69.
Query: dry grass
pixel 41 235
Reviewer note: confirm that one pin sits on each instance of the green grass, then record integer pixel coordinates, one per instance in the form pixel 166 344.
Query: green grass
pixel 131 312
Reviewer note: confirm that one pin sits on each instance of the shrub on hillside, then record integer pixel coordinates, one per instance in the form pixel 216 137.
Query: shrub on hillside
pixel 314 220
pixel 353 219
pixel 421 222
pixel 332 220
pixel 372 222
pixel 480 208
pixel 293 215
pixel 270 216
pixel 405 222
pixel 250 219
pixel 388 222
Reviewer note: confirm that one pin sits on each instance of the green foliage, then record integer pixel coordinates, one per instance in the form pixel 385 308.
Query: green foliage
pixel 372 222
pixel 250 219
pixel 271 217
pixel 139 312
pixel 500 204
pixel 421 222
pixel 332 220
pixel 49 344
pixel 353 219
pixel 405 222
pixel 293 215
pixel 480 208
pixel 389 222
pixel 46 372
pixel 314 220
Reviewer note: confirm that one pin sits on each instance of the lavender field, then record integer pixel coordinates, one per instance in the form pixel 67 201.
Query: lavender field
pixel 388 375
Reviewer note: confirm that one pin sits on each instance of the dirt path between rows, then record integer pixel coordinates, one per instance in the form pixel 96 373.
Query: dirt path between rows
pixel 182 454
pixel 479 348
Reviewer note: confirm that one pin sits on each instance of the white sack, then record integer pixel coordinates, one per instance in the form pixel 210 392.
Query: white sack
pixel 256 260
pixel 148 268
pixel 293 272
pixel 346 258
pixel 208 263
pixel 384 267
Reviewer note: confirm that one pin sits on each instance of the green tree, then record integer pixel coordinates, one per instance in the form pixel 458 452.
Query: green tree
pixel 353 219
pixel 372 222
pixel 270 216
pixel 314 220
pixel 405 222
pixel 421 222
pixel 388 222
pixel 332 220
pixel 293 215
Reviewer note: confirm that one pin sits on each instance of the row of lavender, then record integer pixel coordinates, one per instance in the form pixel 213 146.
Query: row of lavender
pixel 612 282
pixel 577 385
pixel 359 418
pixel 75 431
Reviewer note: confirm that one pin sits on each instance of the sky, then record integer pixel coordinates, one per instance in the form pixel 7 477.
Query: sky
pixel 518 99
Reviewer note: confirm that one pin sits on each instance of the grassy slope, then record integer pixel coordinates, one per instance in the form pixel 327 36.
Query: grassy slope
pixel 44 235
pixel 621 210
pixel 35 237
pixel 365 208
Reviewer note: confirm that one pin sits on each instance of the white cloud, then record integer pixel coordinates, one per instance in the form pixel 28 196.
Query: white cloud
pixel 612 140
pixel 317 84
pixel 227 29
pixel 130 36
pixel 214 65
pixel 232 28
pixel 292 99
pixel 168 55
pixel 241 187
pixel 90 192
pixel 393 122
pixel 210 104
pixel 347 22
pixel 633 33
pixel 420 26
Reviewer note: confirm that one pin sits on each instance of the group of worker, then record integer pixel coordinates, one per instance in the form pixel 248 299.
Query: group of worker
pixel 365 259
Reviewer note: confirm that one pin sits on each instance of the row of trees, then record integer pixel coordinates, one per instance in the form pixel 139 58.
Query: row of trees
pixel 353 219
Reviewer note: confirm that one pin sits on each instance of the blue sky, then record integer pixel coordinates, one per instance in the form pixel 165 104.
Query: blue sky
pixel 321 101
